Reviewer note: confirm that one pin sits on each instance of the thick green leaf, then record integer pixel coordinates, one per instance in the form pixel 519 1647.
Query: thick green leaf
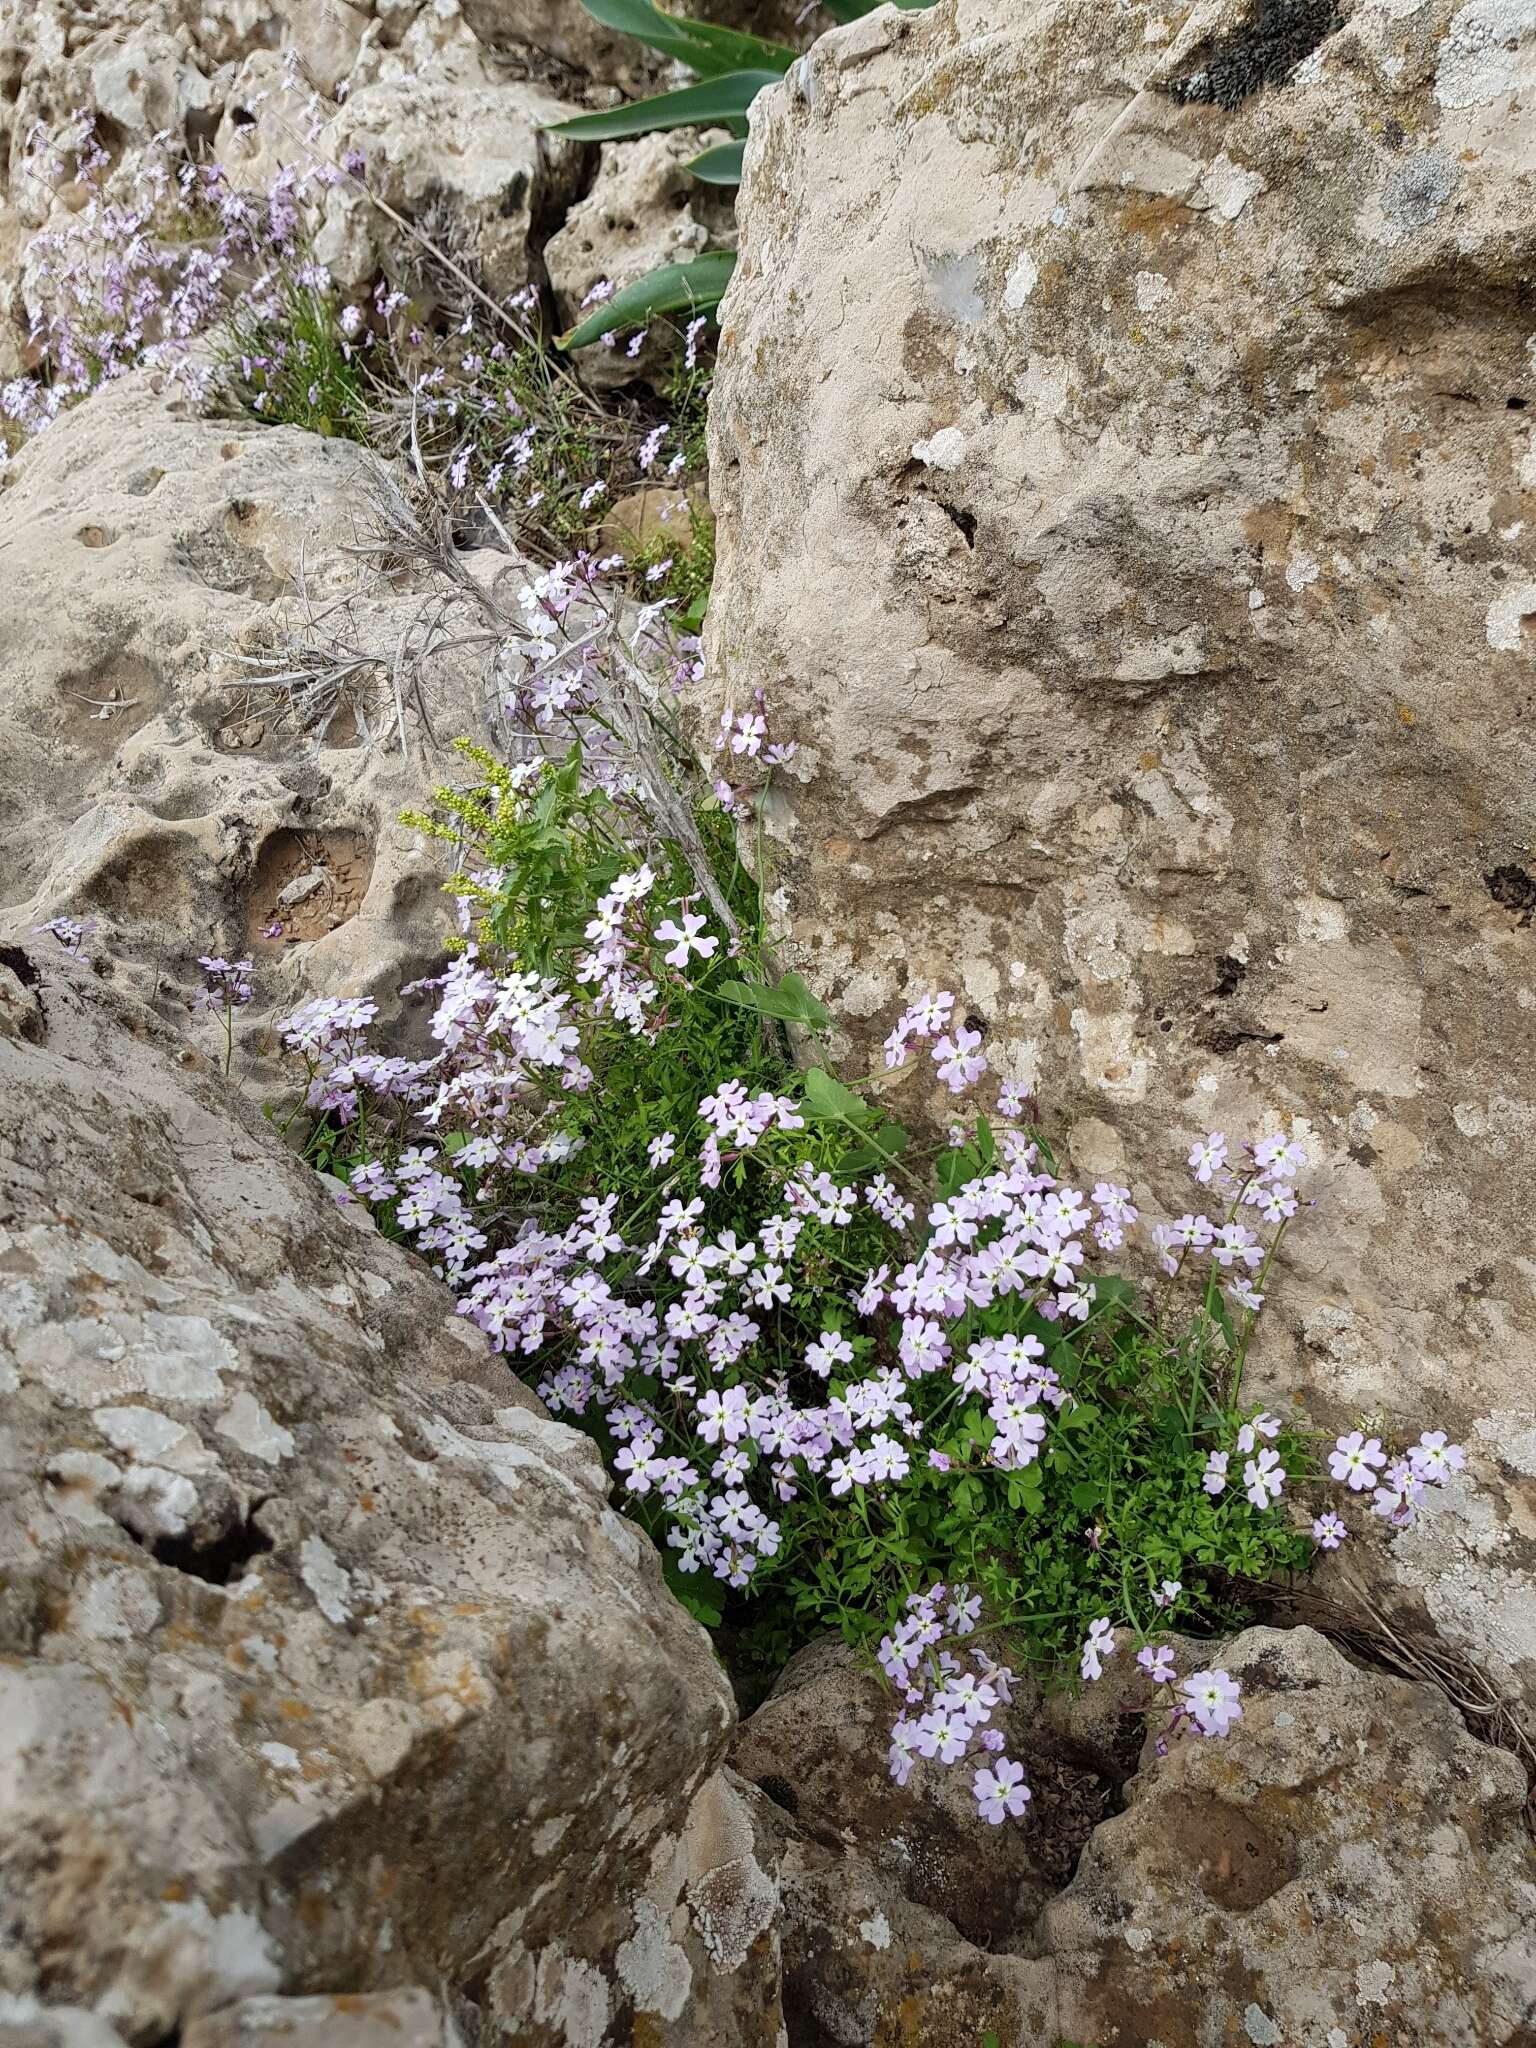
pixel 853 10
pixel 701 45
pixel 887 1144
pixel 714 101
pixel 693 287
pixel 955 1169
pixel 720 165
pixel 790 1001
pixel 825 1097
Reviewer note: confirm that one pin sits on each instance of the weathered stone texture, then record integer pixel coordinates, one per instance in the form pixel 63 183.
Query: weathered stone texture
pixel 324 1664
pixel 153 563
pixel 1303 1882
pixel 1127 486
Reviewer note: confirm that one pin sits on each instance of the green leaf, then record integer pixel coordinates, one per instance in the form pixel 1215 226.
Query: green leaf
pixel 1086 1495
pixel 888 1143
pixel 954 1169
pixel 789 1000
pixel 1219 1311
pixel 854 10
pixel 824 1097
pixel 701 45
pixel 693 287
pixel 714 100
pixel 720 165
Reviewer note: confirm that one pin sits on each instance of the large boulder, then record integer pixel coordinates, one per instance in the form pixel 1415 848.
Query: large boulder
pixel 1123 456
pixel 818 1747
pixel 325 1666
pixel 148 781
pixel 1301 1883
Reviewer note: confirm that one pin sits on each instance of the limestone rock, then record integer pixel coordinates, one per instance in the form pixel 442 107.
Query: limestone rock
pixel 1123 459
pixel 384 2019
pixel 324 1664
pixel 653 512
pixel 1303 1881
pixel 1310 1876
pixel 145 781
pixel 818 1747
pixel 564 34
pixel 645 209
pixel 470 167
pixel 688 1956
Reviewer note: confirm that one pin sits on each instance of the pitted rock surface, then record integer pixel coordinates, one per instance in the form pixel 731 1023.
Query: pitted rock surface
pixel 1126 486
pixel 324 1664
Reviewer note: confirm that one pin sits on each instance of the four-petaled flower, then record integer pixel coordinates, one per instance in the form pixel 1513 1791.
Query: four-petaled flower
pixel 1001 1791
pixel 1211 1699
pixel 1208 1156
pixel 684 938
pixel 1099 1644
pixel 1356 1460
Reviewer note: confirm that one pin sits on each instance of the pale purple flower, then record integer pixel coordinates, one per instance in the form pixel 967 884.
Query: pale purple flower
pixel 1356 1460
pixel 958 1059
pixel 1208 1156
pixel 1097 1645
pixel 71 932
pixel 1157 1662
pixel 1001 1791
pixel 1214 1477
pixel 684 938
pixel 1212 1700
pixel 1263 1478
pixel 1434 1459
pixel 1328 1532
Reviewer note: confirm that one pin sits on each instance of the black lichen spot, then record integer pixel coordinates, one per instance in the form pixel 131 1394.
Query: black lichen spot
pixel 1515 888
pixel 219 1560
pixel 1265 50
pixel 24 969
pixel 1229 975
pixel 780 1791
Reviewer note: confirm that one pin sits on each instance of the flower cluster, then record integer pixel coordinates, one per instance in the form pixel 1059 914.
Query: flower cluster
pixel 950 1701
pixel 1264 1186
pixel 176 266
pixel 227 983
pixel 829 1367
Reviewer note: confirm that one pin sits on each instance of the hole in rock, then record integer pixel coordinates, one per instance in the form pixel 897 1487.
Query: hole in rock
pixel 1229 975
pixel 964 521
pixel 780 1792
pixel 99 706
pixel 24 968
pixel 1515 888
pixel 1219 1039
pixel 1515 404
pixel 1235 1862
pixel 1262 50
pixel 219 1561
pixel 305 885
